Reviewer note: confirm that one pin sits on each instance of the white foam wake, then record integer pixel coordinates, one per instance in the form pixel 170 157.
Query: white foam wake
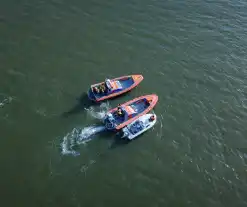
pixel 5 101
pixel 103 109
pixel 78 137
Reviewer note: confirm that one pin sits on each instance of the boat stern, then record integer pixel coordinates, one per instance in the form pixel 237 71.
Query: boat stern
pixel 125 133
pixel 110 122
pixel 91 95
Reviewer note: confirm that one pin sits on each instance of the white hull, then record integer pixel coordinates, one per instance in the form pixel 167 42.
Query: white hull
pixel 131 132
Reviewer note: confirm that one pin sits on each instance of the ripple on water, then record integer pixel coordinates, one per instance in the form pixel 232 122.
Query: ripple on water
pixel 4 100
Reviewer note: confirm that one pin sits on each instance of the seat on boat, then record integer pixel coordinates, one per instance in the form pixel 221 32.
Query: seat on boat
pixel 130 112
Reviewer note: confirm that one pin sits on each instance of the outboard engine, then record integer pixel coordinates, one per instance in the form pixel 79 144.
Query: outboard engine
pixel 110 117
pixel 110 121
pixel 125 132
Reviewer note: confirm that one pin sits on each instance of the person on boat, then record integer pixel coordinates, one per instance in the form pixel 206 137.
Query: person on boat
pixel 102 88
pixel 96 89
pixel 120 111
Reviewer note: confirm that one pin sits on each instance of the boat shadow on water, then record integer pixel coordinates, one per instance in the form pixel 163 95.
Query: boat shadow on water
pixel 114 139
pixel 82 103
pixel 118 142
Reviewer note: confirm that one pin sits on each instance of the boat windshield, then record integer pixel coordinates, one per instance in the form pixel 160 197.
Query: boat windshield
pixel 113 85
pixel 108 83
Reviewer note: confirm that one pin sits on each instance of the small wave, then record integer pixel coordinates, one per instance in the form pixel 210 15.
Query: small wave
pixel 78 137
pixel 5 101
pixel 103 109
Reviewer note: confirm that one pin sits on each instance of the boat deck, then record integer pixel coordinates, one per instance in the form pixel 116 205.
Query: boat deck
pixel 138 106
pixel 125 83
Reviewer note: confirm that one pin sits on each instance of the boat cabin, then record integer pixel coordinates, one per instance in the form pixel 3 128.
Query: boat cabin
pixel 113 85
